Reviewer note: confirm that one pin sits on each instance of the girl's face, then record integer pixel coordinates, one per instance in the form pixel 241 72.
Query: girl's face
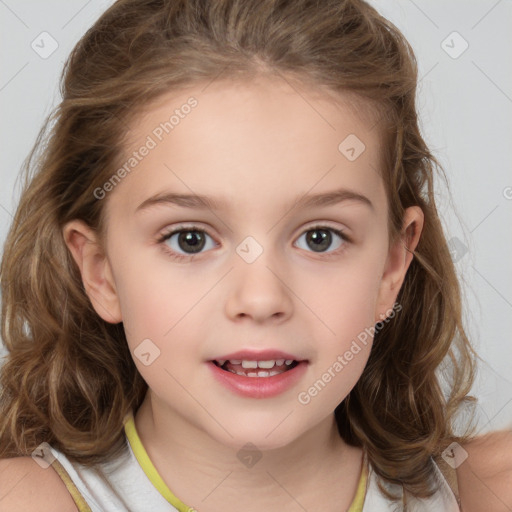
pixel 264 268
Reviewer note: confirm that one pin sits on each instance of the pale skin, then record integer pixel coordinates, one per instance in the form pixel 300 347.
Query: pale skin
pixel 258 147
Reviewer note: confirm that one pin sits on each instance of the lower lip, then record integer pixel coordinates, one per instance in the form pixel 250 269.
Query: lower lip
pixel 259 387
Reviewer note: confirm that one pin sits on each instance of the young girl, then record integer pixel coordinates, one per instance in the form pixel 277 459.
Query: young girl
pixel 226 286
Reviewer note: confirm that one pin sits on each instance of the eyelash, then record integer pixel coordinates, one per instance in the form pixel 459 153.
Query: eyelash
pixel 181 257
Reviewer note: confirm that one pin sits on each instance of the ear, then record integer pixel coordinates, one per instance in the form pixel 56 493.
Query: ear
pixel 95 269
pixel 399 258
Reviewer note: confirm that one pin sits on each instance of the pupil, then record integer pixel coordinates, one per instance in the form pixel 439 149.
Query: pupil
pixel 320 238
pixel 194 240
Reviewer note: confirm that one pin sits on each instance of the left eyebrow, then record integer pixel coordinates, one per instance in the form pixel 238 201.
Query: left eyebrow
pixel 203 202
pixel 331 198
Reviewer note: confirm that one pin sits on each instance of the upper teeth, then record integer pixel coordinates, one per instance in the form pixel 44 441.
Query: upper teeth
pixel 258 364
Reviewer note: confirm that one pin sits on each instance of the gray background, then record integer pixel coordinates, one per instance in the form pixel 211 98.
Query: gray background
pixel 465 102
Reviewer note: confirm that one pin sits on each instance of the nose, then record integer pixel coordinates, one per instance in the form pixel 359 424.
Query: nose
pixel 259 292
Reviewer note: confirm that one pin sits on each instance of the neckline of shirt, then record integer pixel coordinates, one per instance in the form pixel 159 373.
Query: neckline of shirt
pixel 151 472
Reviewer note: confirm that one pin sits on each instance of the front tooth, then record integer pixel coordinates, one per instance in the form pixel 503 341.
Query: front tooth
pixel 249 364
pixel 289 362
pixel 235 361
pixel 266 364
pixel 263 373
pixel 252 374
pixel 279 362
pixel 273 372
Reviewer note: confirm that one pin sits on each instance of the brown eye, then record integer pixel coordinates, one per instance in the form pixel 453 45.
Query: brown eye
pixel 191 241
pixel 320 239
pixel 187 242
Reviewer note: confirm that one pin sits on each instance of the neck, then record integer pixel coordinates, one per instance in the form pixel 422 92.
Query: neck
pixel 202 472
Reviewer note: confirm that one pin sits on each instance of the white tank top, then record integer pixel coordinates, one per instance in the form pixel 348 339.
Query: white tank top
pixel 132 484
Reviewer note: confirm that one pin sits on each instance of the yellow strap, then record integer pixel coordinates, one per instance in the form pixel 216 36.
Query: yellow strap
pixel 450 475
pixel 75 493
pixel 357 504
pixel 156 479
pixel 149 468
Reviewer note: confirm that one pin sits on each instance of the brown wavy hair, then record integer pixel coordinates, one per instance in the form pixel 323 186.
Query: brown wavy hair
pixel 69 378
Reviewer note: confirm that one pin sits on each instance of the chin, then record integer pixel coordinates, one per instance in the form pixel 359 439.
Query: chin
pixel 263 434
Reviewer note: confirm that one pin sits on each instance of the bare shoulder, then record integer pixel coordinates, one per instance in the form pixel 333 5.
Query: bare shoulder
pixel 25 486
pixel 485 477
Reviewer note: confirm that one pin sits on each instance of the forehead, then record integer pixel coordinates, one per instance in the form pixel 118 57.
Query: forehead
pixel 271 136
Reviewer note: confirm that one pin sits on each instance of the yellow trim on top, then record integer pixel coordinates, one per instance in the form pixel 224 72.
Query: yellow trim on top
pixel 357 504
pixel 75 493
pixel 154 477
pixel 148 467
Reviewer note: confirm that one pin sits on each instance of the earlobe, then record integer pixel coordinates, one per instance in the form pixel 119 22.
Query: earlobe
pixel 95 270
pixel 400 256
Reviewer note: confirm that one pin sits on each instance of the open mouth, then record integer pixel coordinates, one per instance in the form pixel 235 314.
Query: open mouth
pixel 257 375
pixel 251 368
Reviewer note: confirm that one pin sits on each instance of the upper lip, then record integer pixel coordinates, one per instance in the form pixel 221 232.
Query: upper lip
pixel 258 355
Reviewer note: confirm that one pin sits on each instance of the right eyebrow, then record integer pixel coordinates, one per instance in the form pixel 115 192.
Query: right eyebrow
pixel 185 200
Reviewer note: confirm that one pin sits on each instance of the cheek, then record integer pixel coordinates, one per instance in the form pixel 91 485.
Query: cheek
pixel 347 312
pixel 345 294
pixel 345 300
pixel 161 305
pixel 161 337
pixel 153 296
